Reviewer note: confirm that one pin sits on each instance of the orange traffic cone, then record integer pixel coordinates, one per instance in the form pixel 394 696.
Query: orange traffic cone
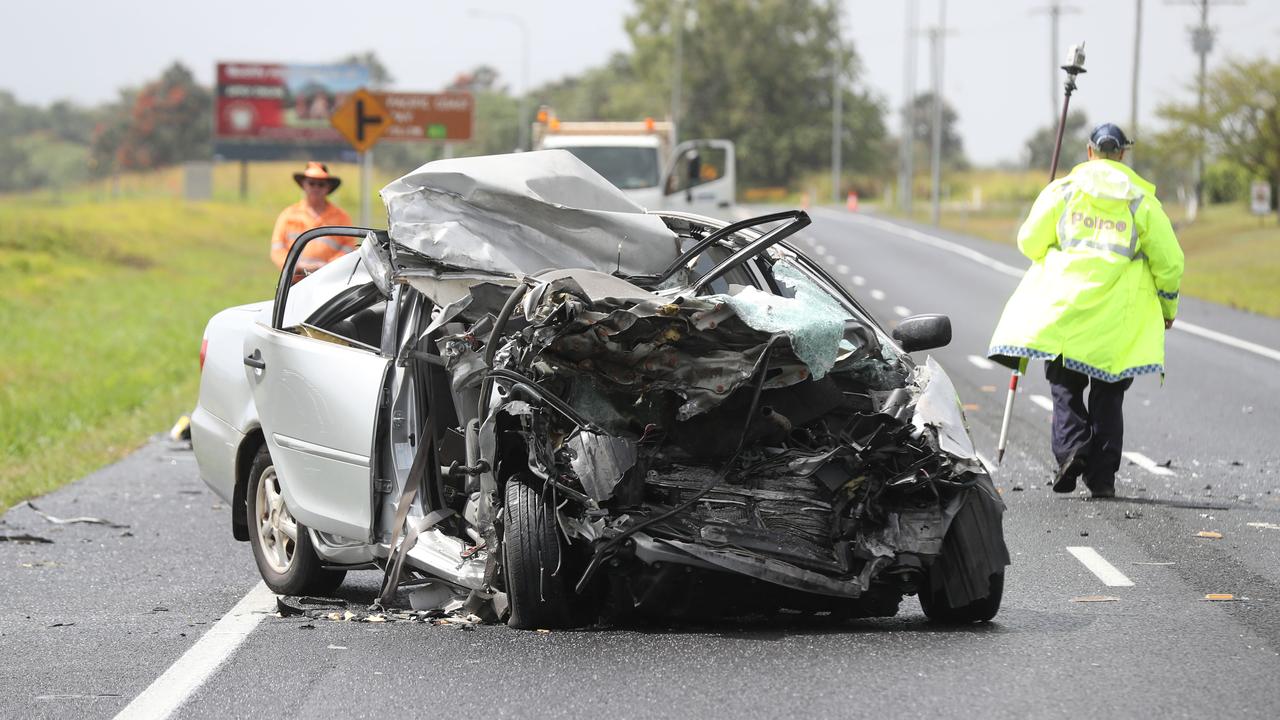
pixel 851 204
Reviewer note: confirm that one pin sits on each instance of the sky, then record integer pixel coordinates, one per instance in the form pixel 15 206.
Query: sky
pixel 997 71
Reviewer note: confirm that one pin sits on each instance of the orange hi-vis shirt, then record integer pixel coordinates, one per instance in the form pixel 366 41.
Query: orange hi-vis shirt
pixel 299 218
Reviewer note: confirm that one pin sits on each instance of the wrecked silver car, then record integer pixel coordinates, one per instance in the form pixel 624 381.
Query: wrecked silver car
pixel 533 400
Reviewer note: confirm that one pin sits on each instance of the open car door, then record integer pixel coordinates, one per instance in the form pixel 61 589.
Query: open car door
pixel 702 178
pixel 318 397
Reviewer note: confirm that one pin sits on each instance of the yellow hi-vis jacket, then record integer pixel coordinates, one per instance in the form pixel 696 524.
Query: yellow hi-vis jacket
pixel 1104 276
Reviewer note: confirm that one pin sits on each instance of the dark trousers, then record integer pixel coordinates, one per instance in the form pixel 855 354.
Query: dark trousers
pixel 1094 432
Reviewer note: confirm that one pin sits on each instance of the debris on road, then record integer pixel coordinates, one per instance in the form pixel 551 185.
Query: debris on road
pixel 1220 597
pixel 337 610
pixel 1210 534
pixel 1095 598
pixel 1132 514
pixel 75 520
pixel 24 539
pixel 1264 525
pixel 1156 564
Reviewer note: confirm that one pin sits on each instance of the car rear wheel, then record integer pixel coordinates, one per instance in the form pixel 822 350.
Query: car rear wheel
pixel 533 558
pixel 938 608
pixel 281 545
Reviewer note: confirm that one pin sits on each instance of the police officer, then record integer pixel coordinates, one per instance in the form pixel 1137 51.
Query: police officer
pixel 1095 303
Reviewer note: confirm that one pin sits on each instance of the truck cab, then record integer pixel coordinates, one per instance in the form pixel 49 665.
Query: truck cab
pixel 697 176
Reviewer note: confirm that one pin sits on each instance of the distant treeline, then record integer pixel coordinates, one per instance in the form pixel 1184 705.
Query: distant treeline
pixel 762 73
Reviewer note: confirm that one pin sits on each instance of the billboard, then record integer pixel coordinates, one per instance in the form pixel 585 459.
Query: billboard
pixel 282 103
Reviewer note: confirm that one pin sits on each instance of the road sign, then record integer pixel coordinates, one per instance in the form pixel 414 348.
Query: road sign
pixel 428 116
pixel 1260 197
pixel 362 119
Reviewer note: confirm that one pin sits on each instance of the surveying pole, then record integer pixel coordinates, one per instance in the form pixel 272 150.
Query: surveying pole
pixel 1074 67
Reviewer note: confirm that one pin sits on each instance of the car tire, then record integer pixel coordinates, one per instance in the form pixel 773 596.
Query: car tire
pixel 938 609
pixel 533 556
pixel 288 565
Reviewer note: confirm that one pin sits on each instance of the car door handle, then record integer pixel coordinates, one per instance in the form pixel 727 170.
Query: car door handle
pixel 255 361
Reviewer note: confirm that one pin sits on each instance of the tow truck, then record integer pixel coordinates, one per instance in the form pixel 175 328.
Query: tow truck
pixel 698 176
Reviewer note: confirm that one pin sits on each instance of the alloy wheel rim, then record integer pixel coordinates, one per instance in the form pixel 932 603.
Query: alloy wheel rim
pixel 277 529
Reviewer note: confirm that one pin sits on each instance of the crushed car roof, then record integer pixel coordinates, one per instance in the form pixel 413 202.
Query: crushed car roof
pixel 521 213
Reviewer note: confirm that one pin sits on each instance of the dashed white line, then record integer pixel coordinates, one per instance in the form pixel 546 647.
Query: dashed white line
pixel 981 363
pixel 831 259
pixel 1098 565
pixel 819 249
pixel 900 311
pixel 1147 463
pixel 197 664
pixel 858 280
pixel 1044 402
pixel 842 269
pixel 877 294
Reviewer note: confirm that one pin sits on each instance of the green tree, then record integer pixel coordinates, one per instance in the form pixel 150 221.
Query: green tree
pixel 759 72
pixel 380 77
pixel 1075 137
pixel 1241 118
pixel 922 132
pixel 170 120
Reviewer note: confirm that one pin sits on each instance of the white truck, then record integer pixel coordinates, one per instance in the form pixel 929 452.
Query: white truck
pixel 697 176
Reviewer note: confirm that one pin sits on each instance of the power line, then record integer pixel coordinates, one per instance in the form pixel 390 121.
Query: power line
pixel 1054 10
pixel 908 143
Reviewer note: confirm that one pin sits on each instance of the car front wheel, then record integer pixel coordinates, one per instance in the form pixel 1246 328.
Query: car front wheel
pixel 281 545
pixel 938 608
pixel 533 561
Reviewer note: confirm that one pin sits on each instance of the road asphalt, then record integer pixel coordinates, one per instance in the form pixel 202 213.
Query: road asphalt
pixel 91 619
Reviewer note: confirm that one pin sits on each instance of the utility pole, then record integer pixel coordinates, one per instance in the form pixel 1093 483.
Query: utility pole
pixel 837 105
pixel 936 43
pixel 677 68
pixel 1202 37
pixel 1054 10
pixel 1137 56
pixel 907 152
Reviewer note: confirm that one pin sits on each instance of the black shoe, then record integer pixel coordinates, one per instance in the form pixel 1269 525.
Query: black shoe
pixel 1065 480
pixel 1102 489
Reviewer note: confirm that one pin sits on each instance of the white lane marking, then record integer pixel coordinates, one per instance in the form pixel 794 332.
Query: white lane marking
pixel 819 249
pixel 1044 402
pixel 981 363
pixel 900 311
pixel 831 259
pixel 986 261
pixel 877 294
pixel 197 664
pixel 1146 463
pixel 1225 339
pixel 842 269
pixel 941 244
pixel 1098 565
pixel 858 280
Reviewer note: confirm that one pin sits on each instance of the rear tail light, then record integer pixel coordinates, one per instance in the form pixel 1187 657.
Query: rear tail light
pixel 204 350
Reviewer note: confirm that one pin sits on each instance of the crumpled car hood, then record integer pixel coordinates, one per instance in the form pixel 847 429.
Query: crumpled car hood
pixel 518 214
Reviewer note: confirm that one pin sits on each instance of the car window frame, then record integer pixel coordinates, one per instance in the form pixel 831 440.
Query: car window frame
pixel 285 282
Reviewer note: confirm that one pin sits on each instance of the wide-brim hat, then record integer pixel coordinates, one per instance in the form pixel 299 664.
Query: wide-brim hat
pixel 318 171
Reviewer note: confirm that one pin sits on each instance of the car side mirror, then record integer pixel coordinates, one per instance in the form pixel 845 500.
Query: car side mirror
pixel 923 332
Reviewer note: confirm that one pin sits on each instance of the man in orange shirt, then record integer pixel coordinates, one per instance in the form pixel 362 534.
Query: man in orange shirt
pixel 313 211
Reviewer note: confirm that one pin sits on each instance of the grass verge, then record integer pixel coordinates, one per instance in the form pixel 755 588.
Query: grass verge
pixel 101 313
